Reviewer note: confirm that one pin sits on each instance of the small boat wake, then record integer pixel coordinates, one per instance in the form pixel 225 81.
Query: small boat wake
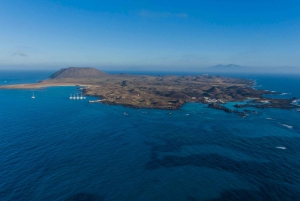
pixel 285 94
pixel 281 147
pixel 288 126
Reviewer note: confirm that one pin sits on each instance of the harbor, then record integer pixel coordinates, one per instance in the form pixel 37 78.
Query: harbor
pixel 77 97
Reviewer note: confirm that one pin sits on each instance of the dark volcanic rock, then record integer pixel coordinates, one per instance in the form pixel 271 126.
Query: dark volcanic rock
pixel 214 90
pixel 219 107
pixel 74 72
pixel 241 114
pixel 239 106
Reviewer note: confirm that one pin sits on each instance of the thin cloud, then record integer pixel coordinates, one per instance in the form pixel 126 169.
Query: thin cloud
pixel 165 14
pixel 19 54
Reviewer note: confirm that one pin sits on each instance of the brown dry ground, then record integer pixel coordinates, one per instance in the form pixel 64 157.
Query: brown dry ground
pixel 164 92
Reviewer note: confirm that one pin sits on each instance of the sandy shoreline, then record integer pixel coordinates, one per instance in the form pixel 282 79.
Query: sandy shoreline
pixel 38 85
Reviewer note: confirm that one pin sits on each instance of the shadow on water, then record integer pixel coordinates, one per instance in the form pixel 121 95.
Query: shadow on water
pixel 267 176
pixel 272 173
pixel 191 198
pixel 267 170
pixel 85 197
pixel 266 191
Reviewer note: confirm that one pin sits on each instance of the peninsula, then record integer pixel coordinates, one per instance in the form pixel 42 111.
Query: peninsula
pixel 161 92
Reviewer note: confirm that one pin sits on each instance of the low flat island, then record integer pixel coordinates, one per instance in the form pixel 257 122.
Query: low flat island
pixel 161 92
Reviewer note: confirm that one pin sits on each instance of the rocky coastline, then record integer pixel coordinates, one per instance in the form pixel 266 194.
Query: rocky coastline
pixel 163 92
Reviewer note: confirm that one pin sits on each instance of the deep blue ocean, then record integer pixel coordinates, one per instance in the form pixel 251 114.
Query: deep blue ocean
pixel 53 148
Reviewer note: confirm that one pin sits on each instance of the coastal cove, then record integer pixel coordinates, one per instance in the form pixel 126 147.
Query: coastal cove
pixel 54 148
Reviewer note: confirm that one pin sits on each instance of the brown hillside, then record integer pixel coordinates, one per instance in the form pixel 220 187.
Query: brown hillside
pixel 214 90
pixel 78 72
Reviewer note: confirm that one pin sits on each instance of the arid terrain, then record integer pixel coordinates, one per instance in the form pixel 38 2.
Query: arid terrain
pixel 161 92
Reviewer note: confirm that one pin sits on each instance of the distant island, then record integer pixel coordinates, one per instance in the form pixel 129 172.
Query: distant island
pixel 229 68
pixel 234 68
pixel 161 92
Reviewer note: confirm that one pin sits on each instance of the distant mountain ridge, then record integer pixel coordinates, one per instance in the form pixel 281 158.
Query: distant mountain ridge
pixel 227 66
pixel 78 72
pixel 233 68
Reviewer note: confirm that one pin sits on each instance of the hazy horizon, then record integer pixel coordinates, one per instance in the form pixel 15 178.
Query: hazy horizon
pixel 189 35
pixel 128 69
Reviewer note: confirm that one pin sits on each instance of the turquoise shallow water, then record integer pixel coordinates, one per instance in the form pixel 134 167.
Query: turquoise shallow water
pixel 53 148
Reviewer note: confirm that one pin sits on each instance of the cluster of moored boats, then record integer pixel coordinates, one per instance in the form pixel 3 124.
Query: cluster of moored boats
pixel 77 97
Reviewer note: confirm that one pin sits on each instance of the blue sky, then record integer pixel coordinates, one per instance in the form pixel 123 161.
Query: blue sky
pixel 149 34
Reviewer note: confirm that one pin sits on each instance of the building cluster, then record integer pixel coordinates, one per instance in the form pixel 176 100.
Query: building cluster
pixel 213 100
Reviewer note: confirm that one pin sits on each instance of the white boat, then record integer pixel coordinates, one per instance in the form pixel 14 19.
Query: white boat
pixel 280 147
pixel 71 97
pixel 32 95
pixel 288 126
pixel 77 97
pixel 81 97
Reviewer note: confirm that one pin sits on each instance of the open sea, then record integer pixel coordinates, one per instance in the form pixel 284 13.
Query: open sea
pixel 53 148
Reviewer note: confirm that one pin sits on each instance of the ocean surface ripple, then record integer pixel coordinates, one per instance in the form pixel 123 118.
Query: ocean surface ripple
pixel 56 149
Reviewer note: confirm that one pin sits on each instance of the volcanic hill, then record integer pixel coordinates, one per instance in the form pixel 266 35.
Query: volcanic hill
pixel 76 72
